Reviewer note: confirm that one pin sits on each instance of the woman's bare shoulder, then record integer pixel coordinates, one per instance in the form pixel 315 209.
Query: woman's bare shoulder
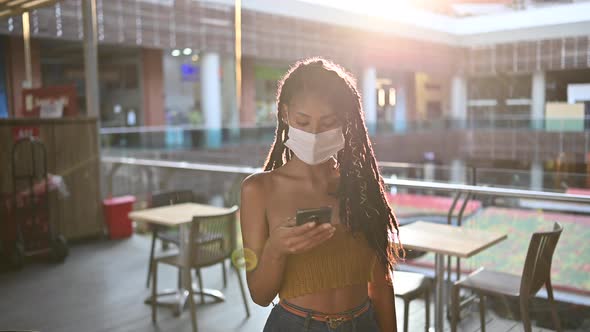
pixel 257 183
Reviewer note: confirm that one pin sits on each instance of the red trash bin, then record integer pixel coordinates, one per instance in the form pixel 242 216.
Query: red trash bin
pixel 116 210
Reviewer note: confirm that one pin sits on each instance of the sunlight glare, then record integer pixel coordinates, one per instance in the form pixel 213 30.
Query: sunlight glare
pixel 382 8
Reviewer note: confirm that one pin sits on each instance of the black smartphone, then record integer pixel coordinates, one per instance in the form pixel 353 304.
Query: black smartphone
pixel 320 215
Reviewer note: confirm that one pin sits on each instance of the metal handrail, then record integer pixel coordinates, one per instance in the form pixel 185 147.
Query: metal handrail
pixel 164 128
pixel 180 165
pixel 491 191
pixel 451 187
pixel 494 118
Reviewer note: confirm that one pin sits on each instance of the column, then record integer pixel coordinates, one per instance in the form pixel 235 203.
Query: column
pixel 91 59
pixel 459 101
pixel 458 171
pixel 538 100
pixel 211 97
pixel 15 70
pixel 401 108
pixel 370 98
pixel 248 105
pixel 231 117
pixel 536 175
pixel 152 71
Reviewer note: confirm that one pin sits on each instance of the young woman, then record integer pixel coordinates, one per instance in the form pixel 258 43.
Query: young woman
pixel 333 276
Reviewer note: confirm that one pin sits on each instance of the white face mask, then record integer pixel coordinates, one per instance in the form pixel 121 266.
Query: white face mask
pixel 315 149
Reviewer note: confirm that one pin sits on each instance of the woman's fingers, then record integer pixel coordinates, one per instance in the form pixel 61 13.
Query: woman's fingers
pixel 311 238
pixel 308 233
pixel 308 245
pixel 301 229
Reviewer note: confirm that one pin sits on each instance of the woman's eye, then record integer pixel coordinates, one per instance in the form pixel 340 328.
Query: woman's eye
pixel 302 124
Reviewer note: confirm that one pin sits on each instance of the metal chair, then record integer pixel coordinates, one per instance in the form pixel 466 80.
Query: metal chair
pixel 167 235
pixel 204 253
pixel 162 232
pixel 536 273
pixel 409 286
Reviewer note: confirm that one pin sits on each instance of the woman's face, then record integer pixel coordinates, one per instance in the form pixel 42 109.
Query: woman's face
pixel 311 114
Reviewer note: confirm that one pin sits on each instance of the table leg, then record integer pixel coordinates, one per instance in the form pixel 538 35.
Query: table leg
pixel 439 299
pixel 184 233
pixel 174 299
pixel 217 295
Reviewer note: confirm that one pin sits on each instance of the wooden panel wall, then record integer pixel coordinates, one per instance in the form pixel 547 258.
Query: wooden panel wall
pixel 72 152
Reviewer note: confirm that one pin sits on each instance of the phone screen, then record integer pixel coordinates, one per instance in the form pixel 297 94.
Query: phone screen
pixel 319 215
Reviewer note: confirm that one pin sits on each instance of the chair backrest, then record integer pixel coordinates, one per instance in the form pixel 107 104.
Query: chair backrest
pixel 172 197
pixel 213 238
pixel 537 266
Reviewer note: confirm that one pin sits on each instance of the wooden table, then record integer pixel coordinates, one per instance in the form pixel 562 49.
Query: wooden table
pixel 179 215
pixel 445 240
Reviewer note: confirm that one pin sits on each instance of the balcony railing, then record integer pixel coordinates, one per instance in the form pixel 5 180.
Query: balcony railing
pixel 482 207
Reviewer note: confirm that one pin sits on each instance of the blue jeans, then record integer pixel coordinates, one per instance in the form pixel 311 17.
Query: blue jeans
pixel 281 320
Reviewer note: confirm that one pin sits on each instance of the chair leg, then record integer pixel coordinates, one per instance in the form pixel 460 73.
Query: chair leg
pixel 201 285
pixel 427 304
pixel 482 312
pixel 556 323
pixel 455 307
pixel 224 274
pixel 243 290
pixel 191 301
pixel 154 290
pixel 151 261
pixel 406 314
pixel 524 314
pixel 179 278
pixel 506 305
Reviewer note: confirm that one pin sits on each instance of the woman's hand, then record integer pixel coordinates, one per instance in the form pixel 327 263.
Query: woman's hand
pixel 288 238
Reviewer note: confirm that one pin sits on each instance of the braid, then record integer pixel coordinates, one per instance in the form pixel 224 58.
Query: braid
pixel 363 205
pixel 276 157
pixel 371 203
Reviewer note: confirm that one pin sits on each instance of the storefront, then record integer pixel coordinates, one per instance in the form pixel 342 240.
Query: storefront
pixel 119 79
pixel 267 79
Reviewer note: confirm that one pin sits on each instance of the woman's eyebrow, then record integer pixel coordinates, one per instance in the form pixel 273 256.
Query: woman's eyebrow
pixel 306 115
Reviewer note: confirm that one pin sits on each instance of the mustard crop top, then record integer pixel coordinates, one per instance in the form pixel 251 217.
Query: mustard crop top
pixel 341 260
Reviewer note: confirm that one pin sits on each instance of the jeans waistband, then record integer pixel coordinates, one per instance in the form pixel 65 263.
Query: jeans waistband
pixel 333 320
pixel 350 312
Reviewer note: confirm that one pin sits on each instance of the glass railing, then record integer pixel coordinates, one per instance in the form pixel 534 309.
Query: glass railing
pixel 182 137
pixel 508 178
pixel 504 121
pixel 505 210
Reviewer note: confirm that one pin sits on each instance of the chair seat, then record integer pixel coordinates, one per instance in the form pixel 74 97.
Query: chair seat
pixel 202 258
pixel 409 285
pixel 168 235
pixel 492 282
pixel 173 237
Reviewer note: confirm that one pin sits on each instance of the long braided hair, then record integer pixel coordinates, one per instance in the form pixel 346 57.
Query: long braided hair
pixel 362 201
